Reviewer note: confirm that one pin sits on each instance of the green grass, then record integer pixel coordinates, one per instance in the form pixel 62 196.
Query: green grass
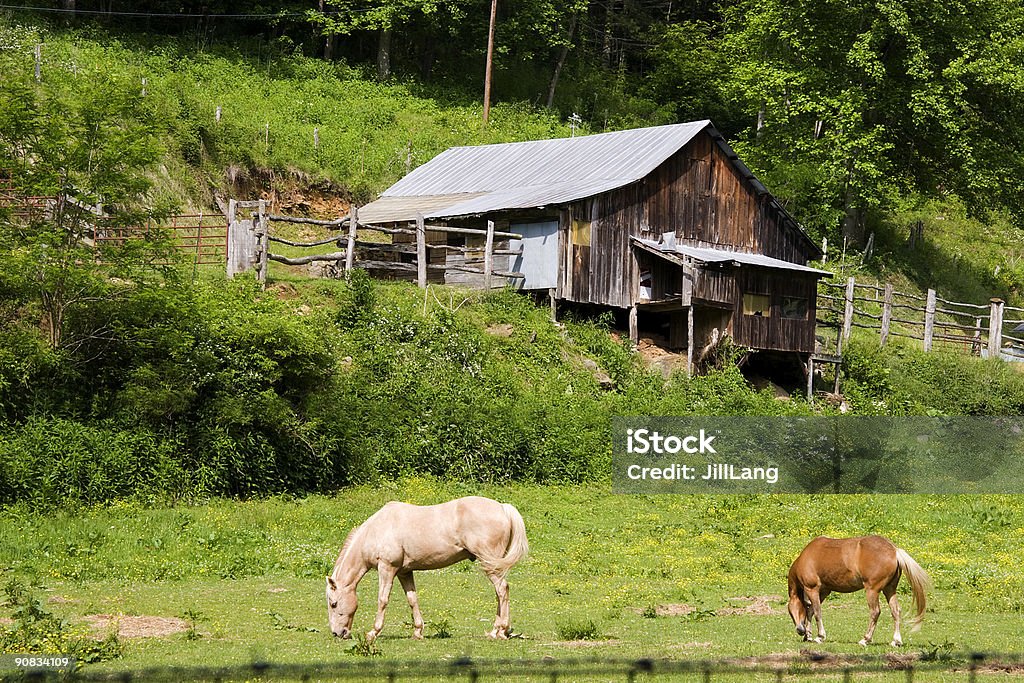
pixel 249 575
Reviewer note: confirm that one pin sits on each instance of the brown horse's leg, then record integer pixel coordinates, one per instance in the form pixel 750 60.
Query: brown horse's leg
pixel 875 610
pixel 894 607
pixel 409 586
pixel 815 597
pixel 501 620
pixel 386 575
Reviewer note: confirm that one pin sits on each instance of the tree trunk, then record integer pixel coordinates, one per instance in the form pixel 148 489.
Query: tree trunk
pixel 561 62
pixel 384 54
pixel 853 213
pixel 606 47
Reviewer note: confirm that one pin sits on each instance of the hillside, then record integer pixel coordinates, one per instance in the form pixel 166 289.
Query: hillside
pixel 145 377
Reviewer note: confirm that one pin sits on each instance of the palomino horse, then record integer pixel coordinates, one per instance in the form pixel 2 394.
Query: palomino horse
pixel 845 565
pixel 401 538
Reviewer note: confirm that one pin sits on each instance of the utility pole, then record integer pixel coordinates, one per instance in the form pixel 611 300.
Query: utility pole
pixel 490 57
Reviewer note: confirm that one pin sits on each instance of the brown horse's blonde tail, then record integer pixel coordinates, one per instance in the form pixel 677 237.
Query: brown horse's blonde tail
pixel 518 546
pixel 919 583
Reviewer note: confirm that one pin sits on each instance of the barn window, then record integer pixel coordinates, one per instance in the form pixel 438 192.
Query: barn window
pixel 757 304
pixel 581 233
pixel 794 307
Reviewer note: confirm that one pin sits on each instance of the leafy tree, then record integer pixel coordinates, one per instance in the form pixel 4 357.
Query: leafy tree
pixel 857 102
pixel 86 142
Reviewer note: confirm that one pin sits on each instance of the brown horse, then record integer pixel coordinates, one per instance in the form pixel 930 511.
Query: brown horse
pixel 401 538
pixel 845 565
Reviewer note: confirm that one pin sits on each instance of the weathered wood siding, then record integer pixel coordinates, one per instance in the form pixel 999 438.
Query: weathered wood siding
pixel 699 195
pixel 773 332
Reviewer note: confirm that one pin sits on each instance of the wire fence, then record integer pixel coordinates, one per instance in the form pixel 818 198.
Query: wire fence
pixel 905 667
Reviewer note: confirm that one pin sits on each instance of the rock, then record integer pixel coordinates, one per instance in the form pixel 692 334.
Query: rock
pixel 332 270
pixel 504 330
pixel 603 379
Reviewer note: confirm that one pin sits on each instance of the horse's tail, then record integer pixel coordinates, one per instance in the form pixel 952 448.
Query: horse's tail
pixel 518 546
pixel 919 583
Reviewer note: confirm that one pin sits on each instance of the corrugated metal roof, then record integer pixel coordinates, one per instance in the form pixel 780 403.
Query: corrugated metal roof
pixel 723 256
pixel 400 209
pixel 625 156
pixel 524 175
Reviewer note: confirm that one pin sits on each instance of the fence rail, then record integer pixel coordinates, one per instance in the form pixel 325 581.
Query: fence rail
pixel 249 246
pixel 980 329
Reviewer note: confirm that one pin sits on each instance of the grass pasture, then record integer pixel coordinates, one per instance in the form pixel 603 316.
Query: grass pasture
pixel 609 576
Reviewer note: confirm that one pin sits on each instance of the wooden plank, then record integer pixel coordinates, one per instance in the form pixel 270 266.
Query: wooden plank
pixel 310 221
pixel 634 329
pixel 474 231
pixel 995 327
pixel 689 341
pixel 421 252
pixel 353 226
pixel 929 320
pixel 848 311
pixel 489 255
pixel 262 233
pixel 886 315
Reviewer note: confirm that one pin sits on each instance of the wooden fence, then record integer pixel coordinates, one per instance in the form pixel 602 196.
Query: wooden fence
pixel 409 253
pixel 979 329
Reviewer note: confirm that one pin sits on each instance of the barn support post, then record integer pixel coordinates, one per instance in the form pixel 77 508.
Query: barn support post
pixel 350 248
pixel 848 310
pixel 689 341
pixel 263 242
pixel 995 327
pixel 929 320
pixel 634 330
pixel 810 378
pixel 886 315
pixel 421 252
pixel 554 305
pixel 489 255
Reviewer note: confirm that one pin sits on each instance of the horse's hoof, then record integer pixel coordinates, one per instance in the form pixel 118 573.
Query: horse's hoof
pixel 863 642
pixel 818 639
pixel 417 635
pixel 896 643
pixel 371 636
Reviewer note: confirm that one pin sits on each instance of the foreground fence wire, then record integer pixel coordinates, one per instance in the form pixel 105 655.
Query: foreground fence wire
pixel 808 665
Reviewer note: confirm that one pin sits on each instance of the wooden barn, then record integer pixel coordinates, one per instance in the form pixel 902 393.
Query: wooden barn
pixel 665 222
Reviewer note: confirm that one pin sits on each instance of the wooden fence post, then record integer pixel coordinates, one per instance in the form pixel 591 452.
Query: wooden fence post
pixel 421 251
pixel 929 320
pixel 489 255
pixel 263 240
pixel 886 315
pixel 350 250
pixel 976 342
pixel 848 311
pixel 995 327
pixel 634 330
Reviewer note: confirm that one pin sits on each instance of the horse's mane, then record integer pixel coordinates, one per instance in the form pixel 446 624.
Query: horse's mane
pixel 348 541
